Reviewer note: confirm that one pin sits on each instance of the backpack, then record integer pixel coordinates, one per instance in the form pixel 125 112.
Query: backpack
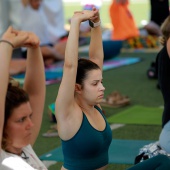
pixel 149 151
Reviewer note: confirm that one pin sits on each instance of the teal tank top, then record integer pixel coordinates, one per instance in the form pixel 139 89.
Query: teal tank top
pixel 88 148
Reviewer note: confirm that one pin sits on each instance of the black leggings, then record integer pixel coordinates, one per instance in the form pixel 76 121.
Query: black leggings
pixel 160 162
pixel 159 10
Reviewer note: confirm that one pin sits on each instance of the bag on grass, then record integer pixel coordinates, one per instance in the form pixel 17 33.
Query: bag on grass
pixel 149 151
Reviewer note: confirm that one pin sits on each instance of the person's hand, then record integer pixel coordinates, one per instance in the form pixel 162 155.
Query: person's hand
pixel 96 17
pixel 21 38
pixel 15 39
pixel 85 15
pixel 32 40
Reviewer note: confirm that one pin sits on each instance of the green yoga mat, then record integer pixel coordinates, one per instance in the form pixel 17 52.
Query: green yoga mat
pixel 120 151
pixel 138 115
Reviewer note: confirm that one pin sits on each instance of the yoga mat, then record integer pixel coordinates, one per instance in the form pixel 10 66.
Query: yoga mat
pixel 138 115
pixel 142 50
pixel 120 151
pixel 118 62
pixel 54 73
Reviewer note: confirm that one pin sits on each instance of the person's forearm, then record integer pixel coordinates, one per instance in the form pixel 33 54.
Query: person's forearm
pixel 96 41
pixel 5 57
pixel 96 46
pixel 35 75
pixel 71 52
pixel 35 87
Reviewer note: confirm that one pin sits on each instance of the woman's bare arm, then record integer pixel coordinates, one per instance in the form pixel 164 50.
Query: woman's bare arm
pixel 10 40
pixel 35 83
pixel 65 97
pixel 96 46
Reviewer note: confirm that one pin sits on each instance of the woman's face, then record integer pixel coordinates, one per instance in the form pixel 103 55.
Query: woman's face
pixel 19 127
pixel 93 89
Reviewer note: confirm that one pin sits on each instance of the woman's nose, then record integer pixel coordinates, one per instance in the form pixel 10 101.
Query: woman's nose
pixel 102 87
pixel 30 123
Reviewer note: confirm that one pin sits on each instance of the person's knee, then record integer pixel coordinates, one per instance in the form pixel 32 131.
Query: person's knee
pixel 164 160
pixel 164 138
pixel 162 157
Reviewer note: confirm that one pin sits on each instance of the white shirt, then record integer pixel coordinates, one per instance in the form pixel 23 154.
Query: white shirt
pixel 35 21
pixel 54 13
pixel 47 22
pixel 9 161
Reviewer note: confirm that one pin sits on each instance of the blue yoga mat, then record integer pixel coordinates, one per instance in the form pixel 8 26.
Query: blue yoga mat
pixel 120 151
pixel 55 72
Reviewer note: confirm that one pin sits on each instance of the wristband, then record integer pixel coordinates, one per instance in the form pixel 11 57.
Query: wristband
pixel 94 24
pixel 5 41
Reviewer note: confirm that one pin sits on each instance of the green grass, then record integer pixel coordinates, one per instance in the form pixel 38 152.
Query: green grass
pixel 140 12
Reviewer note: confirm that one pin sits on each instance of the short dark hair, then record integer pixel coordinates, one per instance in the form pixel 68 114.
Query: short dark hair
pixel 84 66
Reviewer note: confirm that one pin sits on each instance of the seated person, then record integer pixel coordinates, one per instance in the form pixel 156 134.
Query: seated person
pixel 51 46
pixel 21 108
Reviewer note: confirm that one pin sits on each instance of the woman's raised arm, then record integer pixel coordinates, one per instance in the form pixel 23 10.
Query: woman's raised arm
pixel 8 41
pixel 96 46
pixel 65 98
pixel 35 83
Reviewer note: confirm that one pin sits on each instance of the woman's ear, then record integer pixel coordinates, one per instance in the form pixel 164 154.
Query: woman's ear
pixel 78 88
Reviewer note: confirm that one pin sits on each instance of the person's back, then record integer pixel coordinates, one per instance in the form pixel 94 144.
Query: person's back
pixel 34 20
pixel 159 11
pixel 124 26
pixel 54 13
pixel 52 49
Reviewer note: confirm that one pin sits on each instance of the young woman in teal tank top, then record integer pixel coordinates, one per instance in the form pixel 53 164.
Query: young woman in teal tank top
pixel 82 127
pixel 85 134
